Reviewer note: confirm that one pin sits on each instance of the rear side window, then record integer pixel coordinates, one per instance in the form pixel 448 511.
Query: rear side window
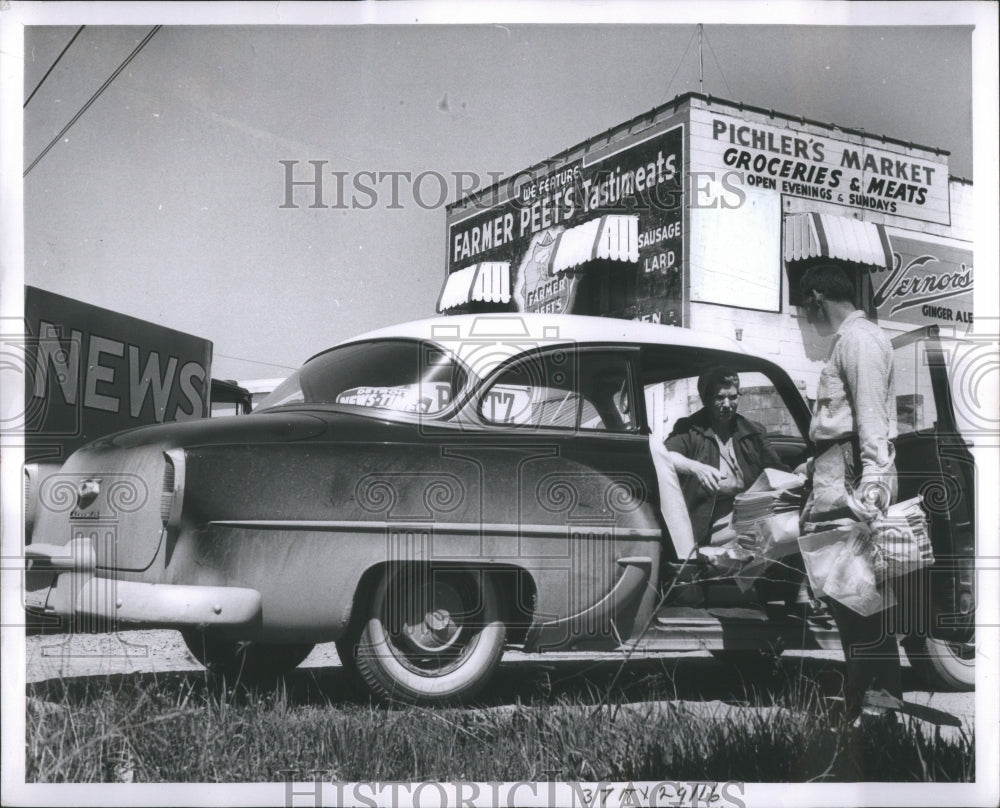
pixel 562 389
pixel 390 375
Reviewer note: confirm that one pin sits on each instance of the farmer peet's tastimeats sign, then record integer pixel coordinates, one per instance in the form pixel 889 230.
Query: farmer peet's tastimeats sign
pixel 628 193
pixel 90 371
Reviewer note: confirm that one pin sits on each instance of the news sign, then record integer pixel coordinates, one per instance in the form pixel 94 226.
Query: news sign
pixel 90 371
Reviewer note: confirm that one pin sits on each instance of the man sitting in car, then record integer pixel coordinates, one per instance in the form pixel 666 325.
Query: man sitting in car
pixel 718 454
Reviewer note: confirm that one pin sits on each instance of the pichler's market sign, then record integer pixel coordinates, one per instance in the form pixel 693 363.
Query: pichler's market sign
pixel 829 169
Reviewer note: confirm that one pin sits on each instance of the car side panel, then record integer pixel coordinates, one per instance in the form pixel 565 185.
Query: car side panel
pixel 302 523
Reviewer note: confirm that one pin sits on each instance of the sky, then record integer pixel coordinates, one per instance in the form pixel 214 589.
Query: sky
pixel 164 200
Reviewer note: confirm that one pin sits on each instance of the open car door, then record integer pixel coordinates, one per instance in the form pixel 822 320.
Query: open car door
pixel 934 461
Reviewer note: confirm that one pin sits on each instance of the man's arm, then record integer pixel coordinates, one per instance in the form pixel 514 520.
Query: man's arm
pixel 679 447
pixel 866 365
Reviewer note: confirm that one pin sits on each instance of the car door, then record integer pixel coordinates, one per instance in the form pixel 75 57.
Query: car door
pixel 933 460
pixel 582 487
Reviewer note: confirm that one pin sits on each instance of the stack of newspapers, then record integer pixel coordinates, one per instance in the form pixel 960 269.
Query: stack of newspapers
pixel 901 539
pixel 774 493
pixel 766 521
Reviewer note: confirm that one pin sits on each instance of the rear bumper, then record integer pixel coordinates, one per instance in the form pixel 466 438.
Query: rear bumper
pixel 62 581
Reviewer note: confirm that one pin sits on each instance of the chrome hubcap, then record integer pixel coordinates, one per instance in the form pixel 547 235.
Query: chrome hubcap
pixel 428 625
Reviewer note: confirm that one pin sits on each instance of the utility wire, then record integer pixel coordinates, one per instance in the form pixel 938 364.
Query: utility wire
pixel 53 67
pixel 92 99
pixel 701 59
pixel 255 361
pixel 681 62
pixel 716 58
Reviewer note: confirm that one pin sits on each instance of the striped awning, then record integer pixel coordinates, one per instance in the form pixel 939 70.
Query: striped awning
pixel 823 235
pixel 487 282
pixel 614 238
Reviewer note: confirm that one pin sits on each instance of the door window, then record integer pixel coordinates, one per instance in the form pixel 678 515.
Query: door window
pixel 759 401
pixel 562 389
pixel 915 405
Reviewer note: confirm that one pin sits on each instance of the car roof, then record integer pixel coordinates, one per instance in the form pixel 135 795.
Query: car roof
pixel 549 328
pixel 485 340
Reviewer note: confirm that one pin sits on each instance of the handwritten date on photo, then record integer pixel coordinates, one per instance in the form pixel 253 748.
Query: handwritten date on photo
pixel 649 794
pixel 668 793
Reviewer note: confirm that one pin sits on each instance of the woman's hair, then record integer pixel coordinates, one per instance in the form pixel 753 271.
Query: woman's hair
pixel 714 379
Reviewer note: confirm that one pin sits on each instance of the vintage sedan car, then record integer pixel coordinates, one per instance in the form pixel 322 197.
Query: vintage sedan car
pixel 430 494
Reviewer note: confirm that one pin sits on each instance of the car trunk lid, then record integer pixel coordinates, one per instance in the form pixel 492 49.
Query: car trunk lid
pixel 118 499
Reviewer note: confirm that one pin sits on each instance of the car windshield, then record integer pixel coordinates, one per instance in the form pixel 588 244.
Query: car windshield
pixel 396 375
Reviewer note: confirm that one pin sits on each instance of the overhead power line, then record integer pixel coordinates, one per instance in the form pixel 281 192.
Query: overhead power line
pixel 53 66
pixel 679 63
pixel 93 98
pixel 716 58
pixel 703 40
pixel 255 361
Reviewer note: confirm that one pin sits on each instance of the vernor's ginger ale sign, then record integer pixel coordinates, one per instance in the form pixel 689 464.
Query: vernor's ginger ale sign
pixel 928 283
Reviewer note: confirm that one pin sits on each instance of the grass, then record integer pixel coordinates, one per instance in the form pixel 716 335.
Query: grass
pixel 184 728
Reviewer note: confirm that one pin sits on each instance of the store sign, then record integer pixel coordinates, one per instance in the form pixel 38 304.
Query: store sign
pixel 928 284
pixel 90 371
pixel 640 177
pixel 538 288
pixel 885 179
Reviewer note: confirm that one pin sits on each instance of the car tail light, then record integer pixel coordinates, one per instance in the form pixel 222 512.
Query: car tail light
pixel 172 490
pixel 34 475
pixel 167 496
pixel 29 506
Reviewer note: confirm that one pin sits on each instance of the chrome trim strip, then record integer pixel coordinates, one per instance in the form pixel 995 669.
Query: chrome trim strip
pixel 378 526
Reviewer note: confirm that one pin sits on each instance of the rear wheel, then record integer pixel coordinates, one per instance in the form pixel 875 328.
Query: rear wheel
pixel 248 662
pixel 431 637
pixel 346 650
pixel 943 665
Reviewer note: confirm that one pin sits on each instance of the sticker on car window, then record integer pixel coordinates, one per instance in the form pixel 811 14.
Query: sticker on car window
pixel 508 404
pixel 424 399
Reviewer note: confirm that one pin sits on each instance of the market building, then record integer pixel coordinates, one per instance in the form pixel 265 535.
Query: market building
pixel 703 213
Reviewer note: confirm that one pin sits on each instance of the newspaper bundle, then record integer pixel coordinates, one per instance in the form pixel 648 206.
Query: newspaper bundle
pixel 901 540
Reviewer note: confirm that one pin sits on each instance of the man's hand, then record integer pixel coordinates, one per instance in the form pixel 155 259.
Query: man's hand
pixel 871 498
pixel 708 476
pixel 806 468
pixel 723 530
